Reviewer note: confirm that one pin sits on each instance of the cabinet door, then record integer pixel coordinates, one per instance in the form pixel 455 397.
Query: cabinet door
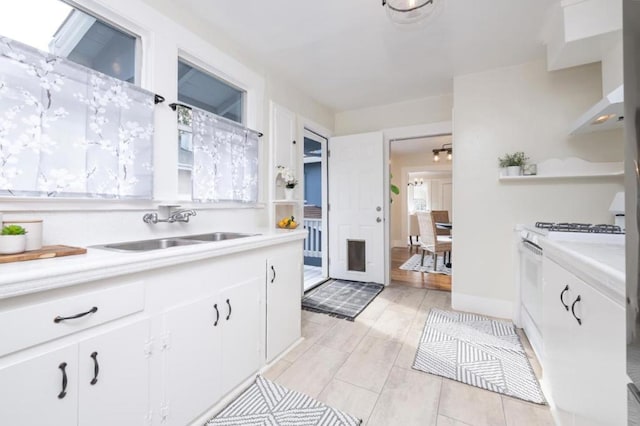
pixel 192 360
pixel 560 335
pixel 284 293
pixel 30 391
pixel 114 377
pixel 240 331
pixel 600 380
pixel 283 124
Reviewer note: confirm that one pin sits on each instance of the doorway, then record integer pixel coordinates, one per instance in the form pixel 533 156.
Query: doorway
pixel 424 182
pixel 315 218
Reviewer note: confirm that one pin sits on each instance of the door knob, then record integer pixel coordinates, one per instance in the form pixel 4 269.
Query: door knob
pixel 378 208
pixel 378 219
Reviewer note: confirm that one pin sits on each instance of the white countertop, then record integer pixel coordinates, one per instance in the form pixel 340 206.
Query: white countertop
pixel 33 276
pixel 600 264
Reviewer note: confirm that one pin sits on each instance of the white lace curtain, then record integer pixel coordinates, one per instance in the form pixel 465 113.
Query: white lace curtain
pixel 225 160
pixel 69 131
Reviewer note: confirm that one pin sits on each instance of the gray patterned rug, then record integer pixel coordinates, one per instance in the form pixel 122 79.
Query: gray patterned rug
pixel 413 264
pixel 478 351
pixel 269 404
pixel 342 299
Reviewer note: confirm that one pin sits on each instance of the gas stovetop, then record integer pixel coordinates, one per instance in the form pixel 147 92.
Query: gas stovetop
pixel 586 228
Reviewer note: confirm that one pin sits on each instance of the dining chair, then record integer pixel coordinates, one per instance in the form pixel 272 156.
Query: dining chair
pixel 429 240
pixel 441 216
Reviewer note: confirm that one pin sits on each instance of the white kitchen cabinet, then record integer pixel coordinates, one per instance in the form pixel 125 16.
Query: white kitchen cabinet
pixel 584 357
pixel 113 377
pixel 240 325
pixel 192 363
pixel 284 295
pixel 32 390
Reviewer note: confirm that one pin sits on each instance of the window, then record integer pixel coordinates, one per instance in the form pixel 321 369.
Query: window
pixel 209 93
pixel 65 31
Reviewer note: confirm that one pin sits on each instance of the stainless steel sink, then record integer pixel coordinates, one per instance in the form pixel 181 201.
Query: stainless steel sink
pixel 164 243
pixel 217 236
pixel 146 245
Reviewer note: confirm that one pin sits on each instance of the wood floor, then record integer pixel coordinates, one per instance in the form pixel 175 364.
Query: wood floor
pixel 364 367
pixel 400 255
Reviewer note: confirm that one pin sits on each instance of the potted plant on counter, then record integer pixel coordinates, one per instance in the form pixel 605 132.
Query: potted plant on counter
pixel 13 239
pixel 513 163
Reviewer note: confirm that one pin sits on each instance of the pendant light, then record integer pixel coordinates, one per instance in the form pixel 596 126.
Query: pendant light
pixel 446 148
pixel 411 11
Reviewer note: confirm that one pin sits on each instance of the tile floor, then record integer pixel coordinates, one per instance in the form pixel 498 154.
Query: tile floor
pixel 364 368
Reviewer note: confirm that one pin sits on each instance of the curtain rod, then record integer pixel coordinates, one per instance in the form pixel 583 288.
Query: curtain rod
pixel 175 106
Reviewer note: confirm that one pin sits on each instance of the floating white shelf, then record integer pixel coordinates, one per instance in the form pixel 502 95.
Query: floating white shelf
pixel 571 168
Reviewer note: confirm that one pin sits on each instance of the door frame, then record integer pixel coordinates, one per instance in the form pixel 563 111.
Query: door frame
pixel 422 130
pixel 307 124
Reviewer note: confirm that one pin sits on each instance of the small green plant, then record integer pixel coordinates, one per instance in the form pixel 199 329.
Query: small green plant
pixel 516 159
pixel 13 230
pixel 393 188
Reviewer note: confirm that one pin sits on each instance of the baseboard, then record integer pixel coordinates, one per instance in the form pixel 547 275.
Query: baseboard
pixel 481 305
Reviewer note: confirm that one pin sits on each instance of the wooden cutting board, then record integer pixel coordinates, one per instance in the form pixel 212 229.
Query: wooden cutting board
pixel 45 252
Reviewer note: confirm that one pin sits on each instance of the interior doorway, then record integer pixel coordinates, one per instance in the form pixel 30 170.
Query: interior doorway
pixel 424 181
pixel 315 209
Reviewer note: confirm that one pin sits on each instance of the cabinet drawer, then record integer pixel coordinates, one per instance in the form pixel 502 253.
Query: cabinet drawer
pixel 38 323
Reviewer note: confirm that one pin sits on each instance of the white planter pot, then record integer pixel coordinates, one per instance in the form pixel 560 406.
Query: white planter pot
pixel 11 244
pixel 34 232
pixel 288 193
pixel 514 171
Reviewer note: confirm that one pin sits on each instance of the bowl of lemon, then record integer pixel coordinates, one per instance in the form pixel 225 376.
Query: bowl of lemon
pixel 288 223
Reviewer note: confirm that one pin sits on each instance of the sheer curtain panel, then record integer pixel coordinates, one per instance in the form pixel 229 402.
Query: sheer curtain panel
pixel 225 160
pixel 69 131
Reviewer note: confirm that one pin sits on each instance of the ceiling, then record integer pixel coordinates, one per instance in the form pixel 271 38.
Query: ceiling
pixel 346 54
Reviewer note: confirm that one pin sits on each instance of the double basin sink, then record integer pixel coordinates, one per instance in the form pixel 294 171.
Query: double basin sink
pixel 164 243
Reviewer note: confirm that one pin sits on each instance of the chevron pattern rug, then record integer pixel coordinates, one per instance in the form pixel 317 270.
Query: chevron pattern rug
pixel 478 351
pixel 269 404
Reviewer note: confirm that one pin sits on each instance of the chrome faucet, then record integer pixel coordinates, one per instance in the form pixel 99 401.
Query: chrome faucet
pixel 170 214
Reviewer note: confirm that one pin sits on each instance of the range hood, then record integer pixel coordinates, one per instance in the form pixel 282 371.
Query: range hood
pixel 607 114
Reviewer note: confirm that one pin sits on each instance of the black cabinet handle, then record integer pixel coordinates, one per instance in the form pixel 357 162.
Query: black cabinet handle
pixel 96 368
pixel 90 311
pixel 229 314
pixel 215 306
pixel 566 289
pixel 273 278
pixel 63 392
pixel 573 309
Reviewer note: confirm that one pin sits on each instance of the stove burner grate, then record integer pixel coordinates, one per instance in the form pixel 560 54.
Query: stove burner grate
pixel 580 227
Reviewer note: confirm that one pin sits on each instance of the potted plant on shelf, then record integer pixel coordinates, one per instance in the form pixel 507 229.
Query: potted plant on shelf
pixel 13 239
pixel 513 163
pixel 290 181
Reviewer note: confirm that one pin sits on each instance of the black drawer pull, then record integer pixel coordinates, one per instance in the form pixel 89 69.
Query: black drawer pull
pixel 273 278
pixel 574 312
pixel 229 314
pixel 96 368
pixel 63 392
pixel 566 289
pixel 90 311
pixel 215 306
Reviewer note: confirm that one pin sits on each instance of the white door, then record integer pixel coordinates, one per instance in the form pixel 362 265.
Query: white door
pixel 192 360
pixel 284 292
pixel 240 325
pixel 114 377
pixel 31 392
pixel 356 207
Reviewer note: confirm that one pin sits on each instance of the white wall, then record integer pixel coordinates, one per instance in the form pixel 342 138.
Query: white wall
pixel 520 108
pixel 167 30
pixel 408 113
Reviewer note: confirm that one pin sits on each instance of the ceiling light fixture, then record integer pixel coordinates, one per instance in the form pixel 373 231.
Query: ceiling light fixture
pixel 416 182
pixel 446 148
pixel 411 11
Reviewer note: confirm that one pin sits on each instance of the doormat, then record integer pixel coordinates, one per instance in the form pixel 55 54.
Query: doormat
pixel 340 298
pixel 478 351
pixel 267 403
pixel 413 264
